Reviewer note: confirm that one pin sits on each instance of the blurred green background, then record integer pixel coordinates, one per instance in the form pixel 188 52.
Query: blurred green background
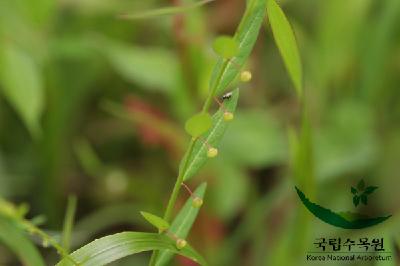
pixel 93 105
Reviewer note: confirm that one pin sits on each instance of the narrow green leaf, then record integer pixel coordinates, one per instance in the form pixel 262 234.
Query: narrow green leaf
pixel 353 190
pixel 199 155
pixel 246 35
pixel 68 223
pixel 15 240
pixel 113 247
pixel 22 85
pixel 226 47
pixel 198 124
pixel 286 42
pixel 182 223
pixel 164 11
pixel 158 222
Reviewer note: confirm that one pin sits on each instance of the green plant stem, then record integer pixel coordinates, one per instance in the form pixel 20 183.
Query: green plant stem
pixel 210 97
pixel 178 184
pixel 179 180
pixel 45 237
pixel 174 195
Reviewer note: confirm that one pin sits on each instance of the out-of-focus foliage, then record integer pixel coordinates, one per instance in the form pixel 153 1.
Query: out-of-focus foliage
pixel 95 106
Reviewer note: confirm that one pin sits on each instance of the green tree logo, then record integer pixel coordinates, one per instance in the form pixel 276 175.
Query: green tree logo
pixel 345 219
pixel 361 193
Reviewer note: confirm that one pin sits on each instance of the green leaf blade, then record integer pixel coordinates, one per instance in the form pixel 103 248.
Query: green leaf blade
pixel 199 155
pixel 226 47
pixel 286 42
pixel 182 223
pixel 22 85
pixel 113 247
pixel 156 221
pixel 198 124
pixel 14 238
pixel 246 36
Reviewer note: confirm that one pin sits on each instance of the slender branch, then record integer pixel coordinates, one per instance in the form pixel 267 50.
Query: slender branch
pixel 181 175
pixel 178 183
pixel 174 195
pixel 211 95
pixel 188 189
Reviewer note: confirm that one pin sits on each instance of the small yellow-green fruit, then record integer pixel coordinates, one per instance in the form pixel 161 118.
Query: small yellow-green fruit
pixel 181 243
pixel 212 152
pixel 228 116
pixel 197 202
pixel 245 76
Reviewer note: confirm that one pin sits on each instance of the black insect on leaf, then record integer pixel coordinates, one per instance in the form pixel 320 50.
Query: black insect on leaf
pixel 354 190
pixel 356 200
pixel 370 189
pixel 364 199
pixel 361 185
